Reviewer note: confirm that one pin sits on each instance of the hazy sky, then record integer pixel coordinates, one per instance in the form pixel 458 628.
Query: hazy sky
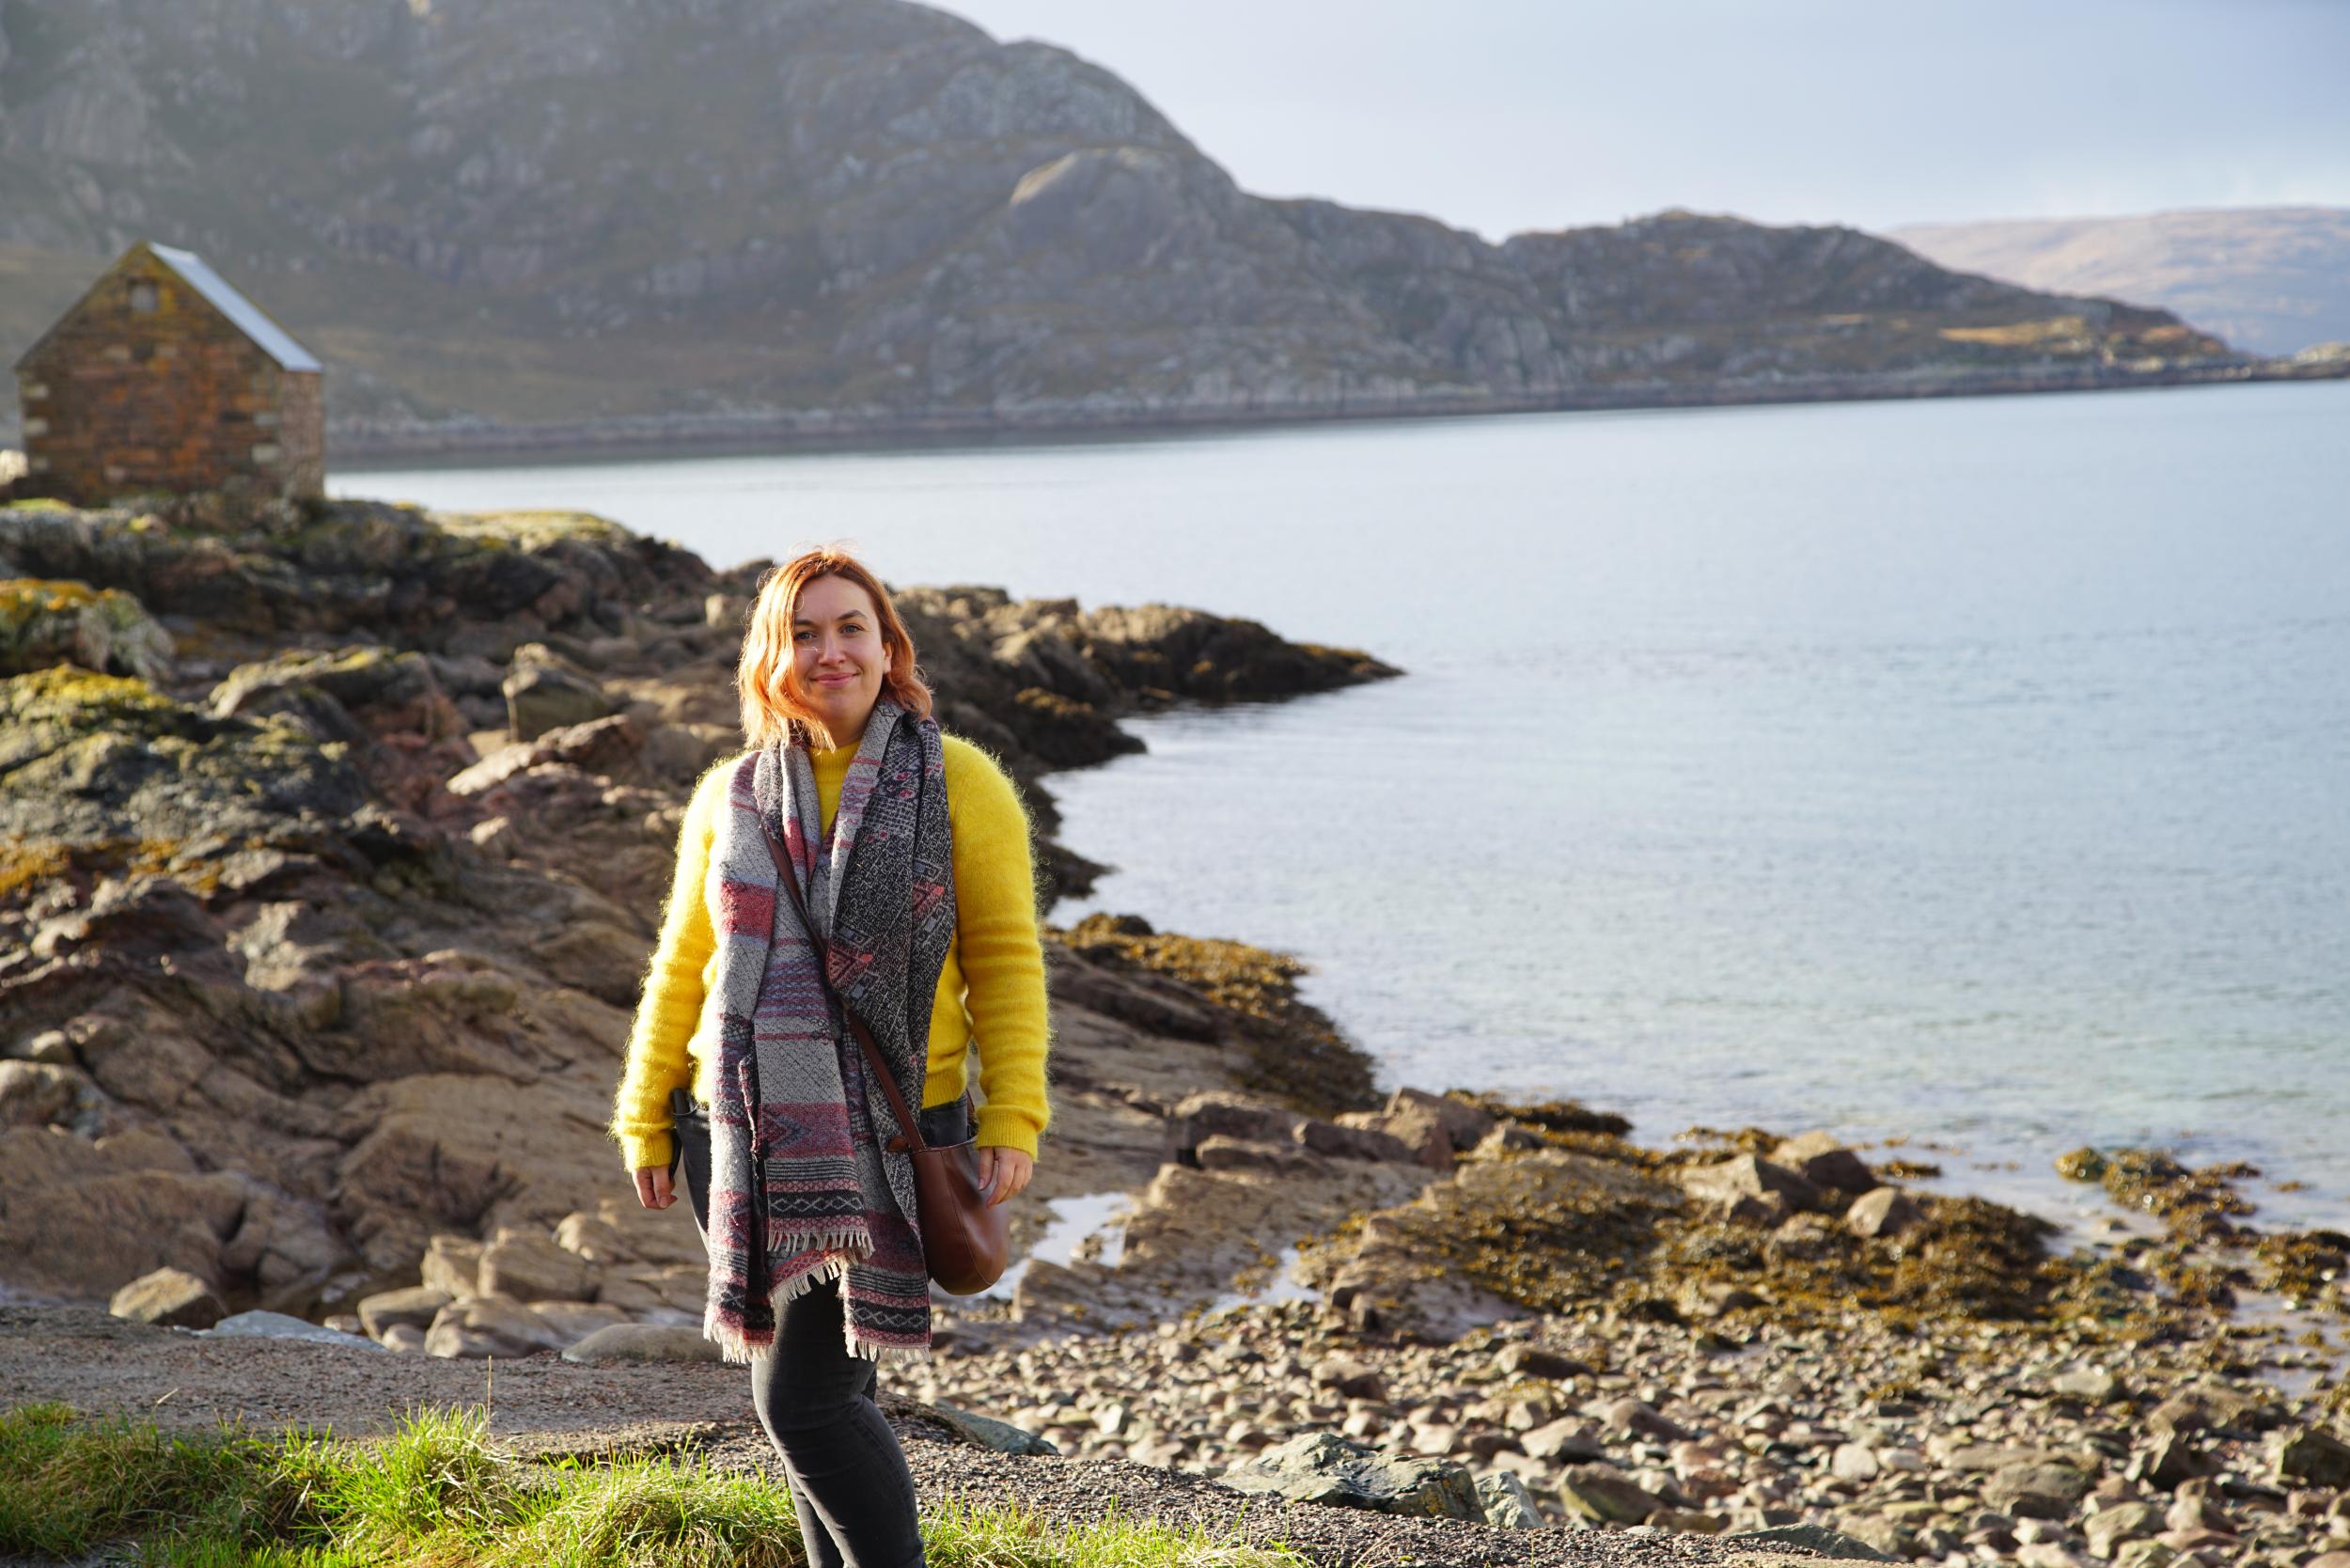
pixel 1502 115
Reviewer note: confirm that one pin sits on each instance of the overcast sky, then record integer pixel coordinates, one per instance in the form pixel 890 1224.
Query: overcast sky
pixel 1504 115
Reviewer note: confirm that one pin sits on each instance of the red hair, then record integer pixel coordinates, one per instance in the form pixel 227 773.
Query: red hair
pixel 774 708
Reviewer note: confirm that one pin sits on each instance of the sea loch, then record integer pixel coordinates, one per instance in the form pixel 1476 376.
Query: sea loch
pixel 1977 771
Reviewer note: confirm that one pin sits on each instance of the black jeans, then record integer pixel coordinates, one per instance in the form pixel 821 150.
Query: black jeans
pixel 850 1484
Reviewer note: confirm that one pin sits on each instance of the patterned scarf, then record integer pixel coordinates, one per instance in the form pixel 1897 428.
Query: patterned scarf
pixel 808 1188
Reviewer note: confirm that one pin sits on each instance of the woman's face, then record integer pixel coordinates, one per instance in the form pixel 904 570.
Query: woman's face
pixel 837 660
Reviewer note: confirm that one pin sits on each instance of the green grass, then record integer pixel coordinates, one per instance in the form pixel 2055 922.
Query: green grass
pixel 434 1493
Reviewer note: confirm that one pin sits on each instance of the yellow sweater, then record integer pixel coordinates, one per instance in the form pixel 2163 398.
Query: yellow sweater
pixel 992 988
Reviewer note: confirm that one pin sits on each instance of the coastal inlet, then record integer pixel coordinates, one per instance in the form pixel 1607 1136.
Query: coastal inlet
pixel 334 838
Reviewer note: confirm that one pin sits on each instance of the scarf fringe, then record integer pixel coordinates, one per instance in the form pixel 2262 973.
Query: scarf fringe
pixel 850 1238
pixel 734 1345
pixel 877 1352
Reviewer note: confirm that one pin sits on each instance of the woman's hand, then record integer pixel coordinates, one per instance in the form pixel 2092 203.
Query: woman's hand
pixel 653 1187
pixel 1002 1172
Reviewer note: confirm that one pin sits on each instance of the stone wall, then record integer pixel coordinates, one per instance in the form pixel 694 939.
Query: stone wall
pixel 144 385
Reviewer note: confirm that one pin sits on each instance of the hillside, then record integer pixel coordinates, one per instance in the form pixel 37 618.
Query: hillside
pixel 713 216
pixel 2271 280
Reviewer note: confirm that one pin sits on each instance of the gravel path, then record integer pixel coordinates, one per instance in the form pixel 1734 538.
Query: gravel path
pixel 101 1365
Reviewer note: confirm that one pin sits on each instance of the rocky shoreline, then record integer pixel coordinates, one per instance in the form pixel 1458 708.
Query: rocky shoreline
pixel 360 440
pixel 331 841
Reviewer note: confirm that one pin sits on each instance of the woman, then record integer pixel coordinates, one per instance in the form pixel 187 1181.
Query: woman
pixel 910 849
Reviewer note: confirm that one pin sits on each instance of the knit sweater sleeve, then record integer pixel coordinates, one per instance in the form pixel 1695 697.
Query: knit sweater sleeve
pixel 671 1003
pixel 995 938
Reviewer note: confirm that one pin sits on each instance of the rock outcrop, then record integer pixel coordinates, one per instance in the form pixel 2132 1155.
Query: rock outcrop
pixel 310 999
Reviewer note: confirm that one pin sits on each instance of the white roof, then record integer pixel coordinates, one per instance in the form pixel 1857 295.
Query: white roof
pixel 267 335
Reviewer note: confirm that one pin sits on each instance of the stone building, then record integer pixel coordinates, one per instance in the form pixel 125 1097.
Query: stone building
pixel 162 377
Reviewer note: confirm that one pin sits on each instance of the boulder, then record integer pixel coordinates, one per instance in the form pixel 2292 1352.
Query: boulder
pixel 529 1266
pixel 379 690
pixel 405 1338
pixel 645 1341
pixel 1431 1127
pixel 988 1432
pixel 1220 1113
pixel 1323 1467
pixel 1463 1122
pixel 1506 1502
pixel 2193 1510
pixel 1854 1462
pixel 168 1299
pixel 1600 1493
pixel 545 697
pixel 1350 1378
pixel 1825 1163
pixel 1766 1213
pixel 1219 1152
pixel 1421 1137
pixel 283 1251
pixel 599 746
pixel 1748 1176
pixel 2093 1384
pixel 1882 1211
pixel 36 1094
pixel 484 1326
pixel 1348 1143
pixel 452 1264
pixel 2213 1407
pixel 1524 1360
pixel 2035 1491
pixel 2173 1458
pixel 2316 1457
pixel 416 1306
pixel 1637 1419
pixel 138 1205
pixel 677 1287
pixel 45 622
pixel 680 753
pixel 2110 1527
pixel 1567 1438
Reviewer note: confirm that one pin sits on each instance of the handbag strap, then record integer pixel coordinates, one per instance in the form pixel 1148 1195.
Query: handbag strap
pixel 907 1120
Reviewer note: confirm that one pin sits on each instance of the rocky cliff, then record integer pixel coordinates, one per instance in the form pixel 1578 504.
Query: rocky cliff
pixel 528 222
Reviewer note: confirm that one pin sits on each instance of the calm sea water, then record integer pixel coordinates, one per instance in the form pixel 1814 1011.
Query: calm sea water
pixel 1973 771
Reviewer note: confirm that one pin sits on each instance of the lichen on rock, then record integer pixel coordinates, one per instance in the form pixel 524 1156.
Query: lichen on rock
pixel 46 622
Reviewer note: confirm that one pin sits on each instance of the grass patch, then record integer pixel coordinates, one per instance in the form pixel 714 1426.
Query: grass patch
pixel 436 1492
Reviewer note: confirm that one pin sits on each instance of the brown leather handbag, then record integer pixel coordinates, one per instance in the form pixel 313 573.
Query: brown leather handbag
pixel 966 1241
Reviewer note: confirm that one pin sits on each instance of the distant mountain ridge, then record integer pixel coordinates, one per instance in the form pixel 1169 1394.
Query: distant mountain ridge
pixel 567 219
pixel 2271 280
